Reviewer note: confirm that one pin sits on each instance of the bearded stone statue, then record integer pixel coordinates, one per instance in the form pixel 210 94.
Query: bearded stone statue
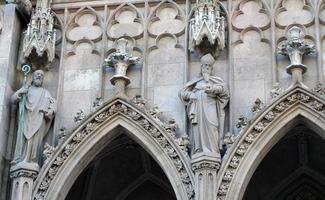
pixel 39 111
pixel 205 99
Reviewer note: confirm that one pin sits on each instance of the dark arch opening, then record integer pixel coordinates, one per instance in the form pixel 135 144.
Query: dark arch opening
pixel 122 171
pixel 292 170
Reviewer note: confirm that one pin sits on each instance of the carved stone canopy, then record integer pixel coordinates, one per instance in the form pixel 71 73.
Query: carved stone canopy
pixel 40 36
pixel 207 23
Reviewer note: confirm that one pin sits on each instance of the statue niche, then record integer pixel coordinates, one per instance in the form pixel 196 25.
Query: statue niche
pixel 205 99
pixel 37 112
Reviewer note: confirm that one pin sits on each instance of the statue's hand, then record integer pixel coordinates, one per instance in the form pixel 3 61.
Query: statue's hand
pixel 47 113
pixel 22 91
pixel 209 90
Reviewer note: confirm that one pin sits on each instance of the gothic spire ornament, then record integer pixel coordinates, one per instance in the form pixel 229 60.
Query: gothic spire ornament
pixel 207 22
pixel 296 47
pixel 39 38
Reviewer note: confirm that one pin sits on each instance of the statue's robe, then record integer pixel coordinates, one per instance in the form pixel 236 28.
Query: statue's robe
pixel 36 126
pixel 206 114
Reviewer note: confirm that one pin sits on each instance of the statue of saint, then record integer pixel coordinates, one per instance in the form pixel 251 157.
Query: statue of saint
pixel 205 99
pixel 39 111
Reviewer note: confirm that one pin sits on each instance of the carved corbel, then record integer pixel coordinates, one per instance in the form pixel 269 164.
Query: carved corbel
pixel 295 48
pixel 121 60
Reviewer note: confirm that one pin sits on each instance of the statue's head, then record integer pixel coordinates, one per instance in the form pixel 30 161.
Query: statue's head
pixel 206 67
pixel 38 77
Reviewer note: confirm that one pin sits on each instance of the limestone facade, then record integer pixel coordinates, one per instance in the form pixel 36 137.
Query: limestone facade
pixel 119 65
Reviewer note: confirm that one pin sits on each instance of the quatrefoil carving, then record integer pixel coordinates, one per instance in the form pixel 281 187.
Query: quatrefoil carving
pixel 294 12
pixel 85 25
pixel 251 13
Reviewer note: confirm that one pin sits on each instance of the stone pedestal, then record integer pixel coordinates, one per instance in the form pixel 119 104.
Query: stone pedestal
pixel 120 82
pixel 297 70
pixel 23 175
pixel 205 167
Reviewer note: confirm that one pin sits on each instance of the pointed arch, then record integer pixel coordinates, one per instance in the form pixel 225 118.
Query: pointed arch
pixel 87 140
pixel 269 126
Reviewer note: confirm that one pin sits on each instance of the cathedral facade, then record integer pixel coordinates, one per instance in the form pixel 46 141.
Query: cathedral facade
pixel 162 99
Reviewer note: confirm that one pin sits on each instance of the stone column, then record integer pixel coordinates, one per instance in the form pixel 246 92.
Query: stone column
pixel 205 167
pixel 23 176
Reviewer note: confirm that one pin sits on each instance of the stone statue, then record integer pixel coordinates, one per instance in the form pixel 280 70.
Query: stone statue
pixel 39 112
pixel 205 99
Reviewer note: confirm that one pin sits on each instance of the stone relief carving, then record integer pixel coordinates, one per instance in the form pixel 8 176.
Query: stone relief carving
pixel 116 108
pixel 319 88
pixel 296 47
pixel 207 22
pixel 242 122
pixel 294 11
pixel 80 115
pixel 121 59
pixel 62 134
pixel 166 13
pixel 125 21
pixel 97 103
pixel 205 99
pixel 48 151
pixel 276 91
pixel 258 105
pixel 294 96
pixel 40 37
pixel 37 109
pixel 251 13
pixel 229 139
pixel 86 24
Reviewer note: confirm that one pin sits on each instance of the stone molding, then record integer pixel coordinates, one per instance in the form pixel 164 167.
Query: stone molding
pixel 23 173
pixel 259 126
pixel 136 115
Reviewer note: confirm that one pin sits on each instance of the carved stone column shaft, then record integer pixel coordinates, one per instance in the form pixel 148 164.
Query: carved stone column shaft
pixel 205 169
pixel 23 176
pixel 296 73
pixel 120 85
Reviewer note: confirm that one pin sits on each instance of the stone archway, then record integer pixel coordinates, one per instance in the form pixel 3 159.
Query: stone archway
pixel 270 125
pixel 72 156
